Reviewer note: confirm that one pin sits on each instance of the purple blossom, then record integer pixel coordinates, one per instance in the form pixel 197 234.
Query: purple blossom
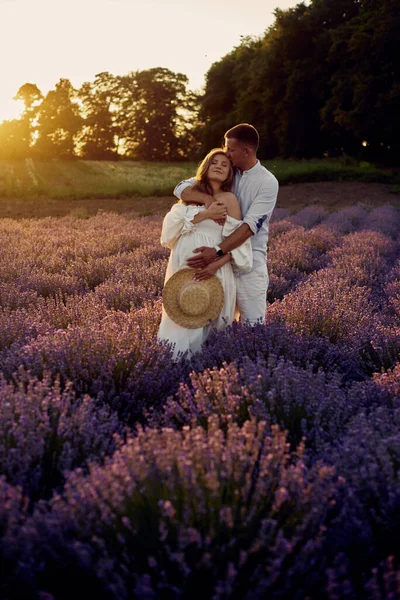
pixel 173 510
pixel 268 461
pixel 46 432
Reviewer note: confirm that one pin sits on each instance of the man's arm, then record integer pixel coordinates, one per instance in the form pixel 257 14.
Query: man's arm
pixel 182 185
pixel 208 255
pixel 259 211
pixel 262 206
pixel 236 239
pixel 191 195
pixel 183 191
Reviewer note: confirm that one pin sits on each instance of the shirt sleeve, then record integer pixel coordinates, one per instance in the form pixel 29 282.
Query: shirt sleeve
pixel 182 186
pixel 242 256
pixel 262 205
pixel 178 221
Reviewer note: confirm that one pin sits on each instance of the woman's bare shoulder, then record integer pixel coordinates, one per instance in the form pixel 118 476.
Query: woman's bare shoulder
pixel 227 197
pixel 231 203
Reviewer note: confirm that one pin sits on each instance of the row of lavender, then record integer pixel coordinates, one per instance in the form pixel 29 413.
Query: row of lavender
pixel 262 468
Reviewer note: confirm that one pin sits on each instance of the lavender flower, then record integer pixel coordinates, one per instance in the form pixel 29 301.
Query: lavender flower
pixel 46 432
pixel 173 510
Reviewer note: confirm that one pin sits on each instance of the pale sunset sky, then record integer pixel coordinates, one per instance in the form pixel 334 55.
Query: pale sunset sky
pixel 44 40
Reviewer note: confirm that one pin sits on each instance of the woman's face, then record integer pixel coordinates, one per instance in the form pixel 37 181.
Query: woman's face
pixel 219 168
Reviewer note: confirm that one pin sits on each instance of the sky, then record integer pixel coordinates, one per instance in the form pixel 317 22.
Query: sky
pixel 44 40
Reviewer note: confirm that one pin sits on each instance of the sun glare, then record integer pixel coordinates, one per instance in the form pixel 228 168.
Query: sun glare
pixel 10 109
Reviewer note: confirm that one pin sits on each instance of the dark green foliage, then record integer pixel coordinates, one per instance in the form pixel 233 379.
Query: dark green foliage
pixel 99 137
pixel 147 115
pixel 324 79
pixel 59 122
pixel 156 112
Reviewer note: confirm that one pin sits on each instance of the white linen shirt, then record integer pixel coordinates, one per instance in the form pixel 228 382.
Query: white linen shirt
pixel 256 191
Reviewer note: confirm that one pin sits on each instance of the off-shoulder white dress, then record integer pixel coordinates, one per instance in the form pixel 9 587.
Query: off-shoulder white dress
pixel 181 235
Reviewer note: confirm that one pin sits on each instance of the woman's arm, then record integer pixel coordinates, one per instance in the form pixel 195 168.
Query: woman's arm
pixel 181 219
pixel 217 210
pixel 177 221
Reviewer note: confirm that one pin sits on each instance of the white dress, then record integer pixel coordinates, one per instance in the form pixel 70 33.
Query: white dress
pixel 181 235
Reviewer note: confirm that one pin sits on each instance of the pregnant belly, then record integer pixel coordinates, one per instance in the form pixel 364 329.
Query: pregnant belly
pixel 185 246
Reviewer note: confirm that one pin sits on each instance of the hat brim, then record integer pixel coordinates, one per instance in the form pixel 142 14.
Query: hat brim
pixel 171 296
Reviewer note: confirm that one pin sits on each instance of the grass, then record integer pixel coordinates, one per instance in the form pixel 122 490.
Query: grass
pixel 104 179
pixel 88 179
pixel 301 171
pixel 38 188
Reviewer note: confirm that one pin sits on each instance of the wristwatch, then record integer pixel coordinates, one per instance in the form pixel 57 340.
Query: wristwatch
pixel 219 251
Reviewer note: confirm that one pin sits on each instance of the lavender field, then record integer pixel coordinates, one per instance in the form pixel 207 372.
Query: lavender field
pixel 267 467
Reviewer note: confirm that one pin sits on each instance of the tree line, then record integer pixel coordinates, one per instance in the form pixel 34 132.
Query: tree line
pixel 146 115
pixel 324 79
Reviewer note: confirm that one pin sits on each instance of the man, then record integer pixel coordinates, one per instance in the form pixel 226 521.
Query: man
pixel 256 189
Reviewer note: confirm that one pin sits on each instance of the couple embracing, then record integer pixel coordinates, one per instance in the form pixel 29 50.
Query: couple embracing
pixel 218 235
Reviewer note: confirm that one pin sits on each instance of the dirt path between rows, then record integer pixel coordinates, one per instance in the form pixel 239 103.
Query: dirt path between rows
pixel 330 194
pixel 334 195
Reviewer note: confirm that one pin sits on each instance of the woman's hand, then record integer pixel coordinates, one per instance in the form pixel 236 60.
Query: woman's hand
pixel 207 272
pixel 217 211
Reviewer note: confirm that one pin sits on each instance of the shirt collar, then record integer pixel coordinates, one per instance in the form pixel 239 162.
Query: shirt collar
pixel 252 170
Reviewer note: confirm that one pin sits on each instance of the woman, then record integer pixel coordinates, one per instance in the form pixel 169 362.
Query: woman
pixel 187 227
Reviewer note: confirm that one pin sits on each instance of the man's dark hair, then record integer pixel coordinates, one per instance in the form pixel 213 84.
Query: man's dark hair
pixel 246 134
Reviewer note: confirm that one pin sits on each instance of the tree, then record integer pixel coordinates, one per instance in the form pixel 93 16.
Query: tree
pixel 226 100
pixel 324 77
pixel 32 97
pixel 291 80
pixel 157 114
pixel 101 102
pixel 13 140
pixel 365 82
pixel 218 102
pixel 276 83
pixel 58 123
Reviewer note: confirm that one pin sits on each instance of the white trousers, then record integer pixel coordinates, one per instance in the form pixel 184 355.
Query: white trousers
pixel 251 295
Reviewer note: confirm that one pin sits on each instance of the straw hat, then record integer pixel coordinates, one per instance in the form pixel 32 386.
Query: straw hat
pixel 192 304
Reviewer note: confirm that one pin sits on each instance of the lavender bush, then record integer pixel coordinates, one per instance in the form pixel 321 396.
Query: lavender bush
pixel 294 255
pixel 13 515
pixel 258 468
pixel 314 406
pixel 115 359
pixel 177 512
pixel 281 340
pixel 46 432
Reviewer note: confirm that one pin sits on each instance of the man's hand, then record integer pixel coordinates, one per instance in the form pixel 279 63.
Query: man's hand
pixel 204 257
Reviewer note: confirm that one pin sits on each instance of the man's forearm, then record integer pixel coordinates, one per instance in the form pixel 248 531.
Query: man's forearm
pixel 236 239
pixel 191 195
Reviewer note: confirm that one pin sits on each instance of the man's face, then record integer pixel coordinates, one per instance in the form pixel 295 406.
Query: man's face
pixel 236 152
